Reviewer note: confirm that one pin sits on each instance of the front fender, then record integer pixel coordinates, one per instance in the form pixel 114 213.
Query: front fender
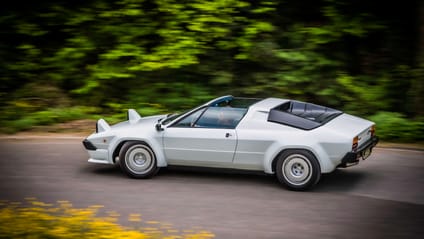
pixel 155 144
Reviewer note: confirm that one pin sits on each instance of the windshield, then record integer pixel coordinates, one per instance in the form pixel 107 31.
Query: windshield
pixel 170 118
pixel 222 102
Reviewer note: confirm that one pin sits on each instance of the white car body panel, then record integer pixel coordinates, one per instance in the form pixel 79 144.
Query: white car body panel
pixel 199 146
pixel 253 144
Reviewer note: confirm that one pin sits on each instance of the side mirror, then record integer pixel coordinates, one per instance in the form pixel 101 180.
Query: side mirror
pixel 159 127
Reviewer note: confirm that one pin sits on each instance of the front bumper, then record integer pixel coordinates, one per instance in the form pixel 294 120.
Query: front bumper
pixel 96 155
pixel 352 158
pixel 88 145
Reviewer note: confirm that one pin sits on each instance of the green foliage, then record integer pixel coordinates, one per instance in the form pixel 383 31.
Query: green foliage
pixel 362 95
pixel 37 95
pixel 164 55
pixel 168 96
pixel 395 127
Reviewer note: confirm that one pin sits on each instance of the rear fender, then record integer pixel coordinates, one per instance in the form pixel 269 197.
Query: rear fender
pixel 271 156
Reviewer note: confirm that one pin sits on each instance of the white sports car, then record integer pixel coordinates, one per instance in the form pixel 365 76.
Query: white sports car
pixel 294 140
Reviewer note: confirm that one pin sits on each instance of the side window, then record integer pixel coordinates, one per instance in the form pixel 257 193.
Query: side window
pixel 189 120
pixel 221 117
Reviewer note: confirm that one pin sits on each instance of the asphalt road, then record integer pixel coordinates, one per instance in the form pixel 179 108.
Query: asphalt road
pixel 383 197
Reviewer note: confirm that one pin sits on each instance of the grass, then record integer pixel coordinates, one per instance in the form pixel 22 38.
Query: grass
pixel 13 120
pixel 394 127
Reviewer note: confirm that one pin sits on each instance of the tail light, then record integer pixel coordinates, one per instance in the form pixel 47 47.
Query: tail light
pixel 355 144
pixel 372 130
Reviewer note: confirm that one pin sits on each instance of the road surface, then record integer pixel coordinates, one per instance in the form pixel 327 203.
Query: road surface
pixel 383 197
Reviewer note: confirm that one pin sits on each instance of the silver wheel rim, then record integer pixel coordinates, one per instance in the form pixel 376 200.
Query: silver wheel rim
pixel 297 169
pixel 139 159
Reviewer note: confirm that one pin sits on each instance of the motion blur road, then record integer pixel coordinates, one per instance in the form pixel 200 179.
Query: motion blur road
pixel 383 197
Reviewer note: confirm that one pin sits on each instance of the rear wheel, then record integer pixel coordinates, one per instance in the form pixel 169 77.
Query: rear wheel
pixel 138 160
pixel 298 169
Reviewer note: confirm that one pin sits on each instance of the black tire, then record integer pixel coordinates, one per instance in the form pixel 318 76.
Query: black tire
pixel 138 160
pixel 298 170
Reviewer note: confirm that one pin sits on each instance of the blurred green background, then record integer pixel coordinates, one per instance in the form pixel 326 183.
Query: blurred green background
pixel 67 60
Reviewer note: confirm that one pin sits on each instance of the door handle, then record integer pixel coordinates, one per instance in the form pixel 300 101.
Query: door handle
pixel 227 135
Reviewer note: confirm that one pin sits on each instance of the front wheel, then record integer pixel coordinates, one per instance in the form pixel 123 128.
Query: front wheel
pixel 138 160
pixel 298 169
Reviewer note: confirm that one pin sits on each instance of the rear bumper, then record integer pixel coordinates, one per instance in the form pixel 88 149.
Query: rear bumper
pixel 352 158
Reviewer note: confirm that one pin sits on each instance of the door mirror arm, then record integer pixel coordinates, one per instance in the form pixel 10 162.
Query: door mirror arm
pixel 159 127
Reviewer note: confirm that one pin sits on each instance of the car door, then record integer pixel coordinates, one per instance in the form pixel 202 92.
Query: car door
pixel 206 137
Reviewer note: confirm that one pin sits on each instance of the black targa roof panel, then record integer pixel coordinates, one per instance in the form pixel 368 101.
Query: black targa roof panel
pixel 302 115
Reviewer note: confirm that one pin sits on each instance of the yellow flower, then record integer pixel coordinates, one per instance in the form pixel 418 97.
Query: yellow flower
pixel 42 220
pixel 134 218
pixel 152 222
